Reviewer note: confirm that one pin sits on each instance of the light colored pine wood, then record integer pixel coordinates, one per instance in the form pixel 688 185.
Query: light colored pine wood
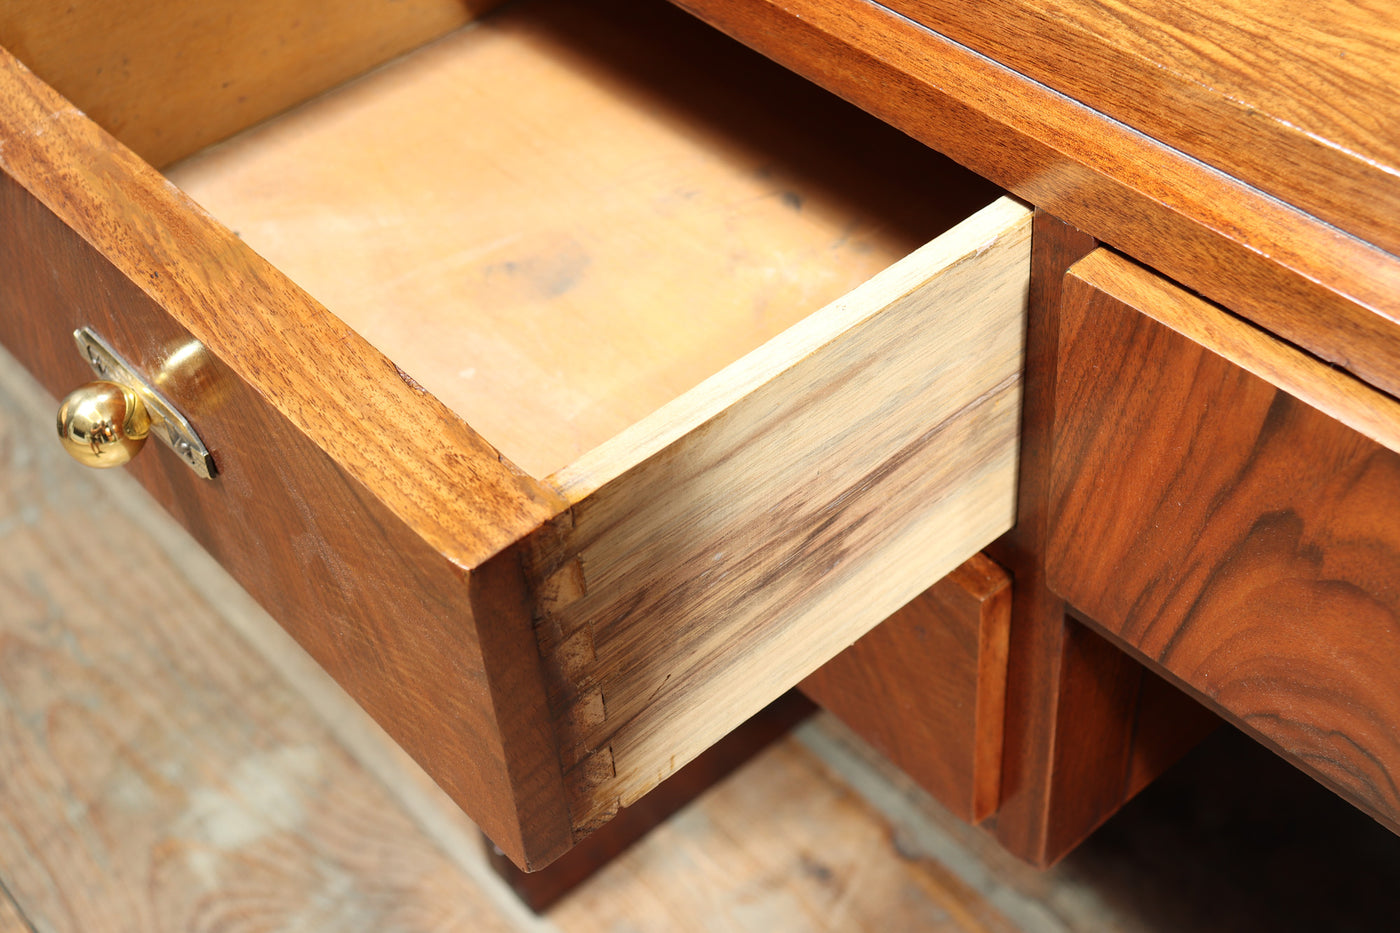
pixel 558 253
pixel 721 550
pixel 169 77
pixel 11 920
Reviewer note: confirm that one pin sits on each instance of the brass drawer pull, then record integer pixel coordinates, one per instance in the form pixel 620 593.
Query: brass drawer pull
pixel 103 424
pixel 106 423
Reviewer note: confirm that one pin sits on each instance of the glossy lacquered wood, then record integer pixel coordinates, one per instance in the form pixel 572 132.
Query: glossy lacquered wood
pixel 1225 506
pixel 1298 276
pixel 927 687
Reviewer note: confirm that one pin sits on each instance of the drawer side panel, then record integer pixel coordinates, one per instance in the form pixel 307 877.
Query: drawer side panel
pixel 169 77
pixel 689 591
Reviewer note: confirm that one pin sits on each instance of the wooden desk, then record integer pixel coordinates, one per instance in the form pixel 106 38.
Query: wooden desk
pixel 461 600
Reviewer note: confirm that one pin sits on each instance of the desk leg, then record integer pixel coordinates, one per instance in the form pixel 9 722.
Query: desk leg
pixel 1087 727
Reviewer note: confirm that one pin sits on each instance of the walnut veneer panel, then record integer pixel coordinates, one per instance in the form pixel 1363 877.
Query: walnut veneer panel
pixel 1226 507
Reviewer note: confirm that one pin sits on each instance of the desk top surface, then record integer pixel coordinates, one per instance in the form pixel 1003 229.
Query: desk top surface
pixel 1294 97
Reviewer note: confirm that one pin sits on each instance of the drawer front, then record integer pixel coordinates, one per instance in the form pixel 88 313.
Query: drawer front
pixel 927 687
pixel 348 503
pixel 1227 507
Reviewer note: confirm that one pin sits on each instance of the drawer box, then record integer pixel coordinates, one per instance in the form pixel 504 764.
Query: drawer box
pixel 685 496
pixel 1225 505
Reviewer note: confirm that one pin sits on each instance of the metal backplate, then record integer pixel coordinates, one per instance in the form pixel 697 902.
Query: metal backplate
pixel 167 423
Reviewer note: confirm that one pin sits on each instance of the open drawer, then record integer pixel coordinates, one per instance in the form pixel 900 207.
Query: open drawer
pixel 615 245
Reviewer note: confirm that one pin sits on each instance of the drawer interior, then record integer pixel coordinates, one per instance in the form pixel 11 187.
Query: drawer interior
pixel 563 216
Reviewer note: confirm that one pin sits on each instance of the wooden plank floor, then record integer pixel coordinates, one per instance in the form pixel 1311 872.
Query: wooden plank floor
pixel 170 761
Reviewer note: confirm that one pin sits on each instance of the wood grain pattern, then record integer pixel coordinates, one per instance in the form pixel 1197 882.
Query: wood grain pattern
pixel 927 687
pixel 542 889
pixel 1295 275
pixel 376 524
pixel 840 873
pixel 1085 727
pixel 349 502
pixel 11 919
pixel 1295 98
pixel 378 848
pixel 158 775
pixel 1258 562
pixel 556 256
pixel 168 78
pixel 720 551
pixel 1037 678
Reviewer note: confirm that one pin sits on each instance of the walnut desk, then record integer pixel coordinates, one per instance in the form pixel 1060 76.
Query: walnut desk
pixel 581 382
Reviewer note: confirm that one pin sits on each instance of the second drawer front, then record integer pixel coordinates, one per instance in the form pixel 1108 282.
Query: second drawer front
pixel 1220 508
pixel 927 687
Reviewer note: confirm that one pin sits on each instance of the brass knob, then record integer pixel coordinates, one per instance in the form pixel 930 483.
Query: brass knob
pixel 103 424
